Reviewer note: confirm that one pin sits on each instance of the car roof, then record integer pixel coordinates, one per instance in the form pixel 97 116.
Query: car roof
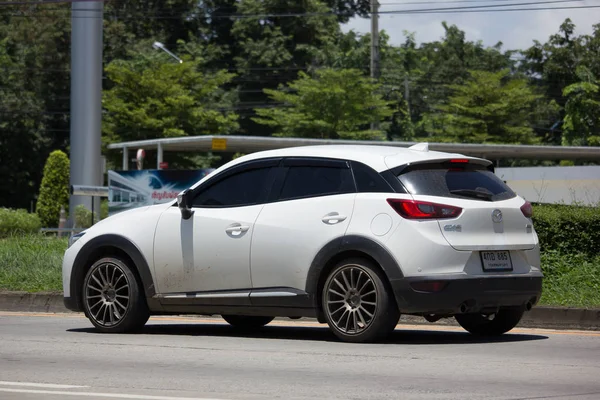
pixel 380 158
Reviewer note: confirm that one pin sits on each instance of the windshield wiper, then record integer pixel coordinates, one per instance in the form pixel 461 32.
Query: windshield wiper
pixel 473 193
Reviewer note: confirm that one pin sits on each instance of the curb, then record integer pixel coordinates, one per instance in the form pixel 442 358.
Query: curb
pixel 49 302
pixel 539 317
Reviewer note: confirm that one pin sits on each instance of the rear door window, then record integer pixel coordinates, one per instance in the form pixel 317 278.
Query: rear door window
pixel 468 182
pixel 312 181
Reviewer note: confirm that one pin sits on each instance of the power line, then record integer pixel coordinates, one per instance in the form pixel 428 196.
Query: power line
pixel 438 10
pixel 43 2
pixel 511 9
pixel 446 2
pixel 431 10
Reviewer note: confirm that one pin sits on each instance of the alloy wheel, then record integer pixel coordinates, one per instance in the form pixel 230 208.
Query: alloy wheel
pixel 351 300
pixel 107 294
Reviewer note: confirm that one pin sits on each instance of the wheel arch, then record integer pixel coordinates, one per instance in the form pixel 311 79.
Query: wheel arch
pixel 110 245
pixel 342 248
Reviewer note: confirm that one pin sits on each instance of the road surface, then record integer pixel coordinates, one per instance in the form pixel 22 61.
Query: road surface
pixel 52 357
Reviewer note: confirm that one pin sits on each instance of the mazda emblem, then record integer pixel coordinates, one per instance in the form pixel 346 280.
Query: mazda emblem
pixel 497 216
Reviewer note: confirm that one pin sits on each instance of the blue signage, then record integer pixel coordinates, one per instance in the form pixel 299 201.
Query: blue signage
pixel 138 188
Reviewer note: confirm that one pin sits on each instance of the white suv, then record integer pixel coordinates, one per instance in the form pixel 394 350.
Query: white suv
pixel 351 235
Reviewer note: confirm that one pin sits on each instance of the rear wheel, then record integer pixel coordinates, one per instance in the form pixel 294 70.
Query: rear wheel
pixel 112 298
pixel 246 321
pixel 357 303
pixel 493 324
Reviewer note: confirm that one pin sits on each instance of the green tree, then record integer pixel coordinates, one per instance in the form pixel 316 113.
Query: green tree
pixel 582 111
pixel 333 104
pixel 54 191
pixel 489 108
pixel 437 65
pixel 552 66
pixel 269 49
pixel 152 96
pixel 34 96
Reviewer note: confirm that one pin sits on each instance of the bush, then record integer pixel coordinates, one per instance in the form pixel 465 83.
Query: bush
pixel 54 191
pixel 83 216
pixel 568 229
pixel 17 222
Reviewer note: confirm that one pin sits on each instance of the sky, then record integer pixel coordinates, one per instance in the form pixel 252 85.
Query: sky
pixel 516 30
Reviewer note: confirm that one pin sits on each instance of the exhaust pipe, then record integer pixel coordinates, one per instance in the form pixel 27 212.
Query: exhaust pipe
pixel 468 305
pixel 528 306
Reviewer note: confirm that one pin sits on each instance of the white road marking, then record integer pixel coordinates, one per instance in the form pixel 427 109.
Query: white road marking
pixel 41 385
pixel 105 395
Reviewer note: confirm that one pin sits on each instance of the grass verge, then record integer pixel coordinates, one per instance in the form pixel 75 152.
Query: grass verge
pixel 571 280
pixel 33 264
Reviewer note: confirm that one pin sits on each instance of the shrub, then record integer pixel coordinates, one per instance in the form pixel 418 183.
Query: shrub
pixel 83 217
pixel 17 222
pixel 568 229
pixel 54 191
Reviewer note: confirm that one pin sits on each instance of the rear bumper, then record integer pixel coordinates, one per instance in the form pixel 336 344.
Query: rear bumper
pixel 464 293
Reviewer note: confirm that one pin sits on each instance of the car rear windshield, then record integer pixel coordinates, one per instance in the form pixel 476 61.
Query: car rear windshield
pixel 469 182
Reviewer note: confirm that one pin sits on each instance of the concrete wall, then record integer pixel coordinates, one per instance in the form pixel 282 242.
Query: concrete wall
pixel 567 185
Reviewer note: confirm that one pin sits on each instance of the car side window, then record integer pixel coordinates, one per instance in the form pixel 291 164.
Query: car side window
pixel 312 181
pixel 241 189
pixel 368 180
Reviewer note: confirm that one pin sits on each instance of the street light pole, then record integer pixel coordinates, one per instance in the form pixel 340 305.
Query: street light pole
pixel 160 46
pixel 86 100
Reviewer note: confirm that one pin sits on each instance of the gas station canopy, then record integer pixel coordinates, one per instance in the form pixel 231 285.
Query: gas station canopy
pixel 250 144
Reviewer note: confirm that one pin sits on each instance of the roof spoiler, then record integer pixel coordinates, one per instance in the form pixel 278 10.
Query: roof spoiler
pixel 423 147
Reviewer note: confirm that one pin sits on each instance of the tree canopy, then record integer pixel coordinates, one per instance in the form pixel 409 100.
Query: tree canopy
pixel 287 68
pixel 334 104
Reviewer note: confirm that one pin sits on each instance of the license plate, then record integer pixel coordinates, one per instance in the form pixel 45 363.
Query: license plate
pixel 496 261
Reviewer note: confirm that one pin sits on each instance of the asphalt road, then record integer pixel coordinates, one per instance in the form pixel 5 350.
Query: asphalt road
pixel 54 357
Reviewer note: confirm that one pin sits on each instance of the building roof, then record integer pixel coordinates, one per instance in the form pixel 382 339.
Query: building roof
pixel 250 144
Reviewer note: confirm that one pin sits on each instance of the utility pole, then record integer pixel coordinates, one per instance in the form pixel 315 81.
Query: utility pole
pixel 374 39
pixel 86 100
pixel 374 46
pixel 407 94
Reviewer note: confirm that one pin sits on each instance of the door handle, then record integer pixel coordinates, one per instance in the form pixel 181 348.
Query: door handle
pixel 333 218
pixel 237 229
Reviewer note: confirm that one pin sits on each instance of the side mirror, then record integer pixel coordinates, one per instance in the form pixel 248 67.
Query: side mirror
pixel 184 202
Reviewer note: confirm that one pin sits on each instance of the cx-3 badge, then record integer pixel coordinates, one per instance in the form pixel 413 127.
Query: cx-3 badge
pixel 497 216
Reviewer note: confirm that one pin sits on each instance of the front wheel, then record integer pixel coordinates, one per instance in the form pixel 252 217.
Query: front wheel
pixel 246 321
pixel 112 299
pixel 491 325
pixel 357 303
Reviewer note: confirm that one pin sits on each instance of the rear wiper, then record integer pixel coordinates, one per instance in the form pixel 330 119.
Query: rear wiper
pixel 473 193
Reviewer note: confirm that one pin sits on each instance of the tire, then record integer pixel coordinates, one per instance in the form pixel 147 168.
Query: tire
pixel 247 322
pixel 357 303
pixel 112 297
pixel 503 321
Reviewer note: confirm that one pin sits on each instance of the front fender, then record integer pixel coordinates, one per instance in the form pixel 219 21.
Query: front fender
pixel 90 252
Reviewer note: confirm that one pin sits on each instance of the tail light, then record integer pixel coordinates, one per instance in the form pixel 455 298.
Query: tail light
pixel 527 209
pixel 412 209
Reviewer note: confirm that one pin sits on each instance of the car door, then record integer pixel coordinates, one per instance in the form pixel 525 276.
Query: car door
pixel 314 206
pixel 210 252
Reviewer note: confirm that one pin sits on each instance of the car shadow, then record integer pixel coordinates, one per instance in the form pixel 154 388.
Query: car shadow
pixel 402 336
